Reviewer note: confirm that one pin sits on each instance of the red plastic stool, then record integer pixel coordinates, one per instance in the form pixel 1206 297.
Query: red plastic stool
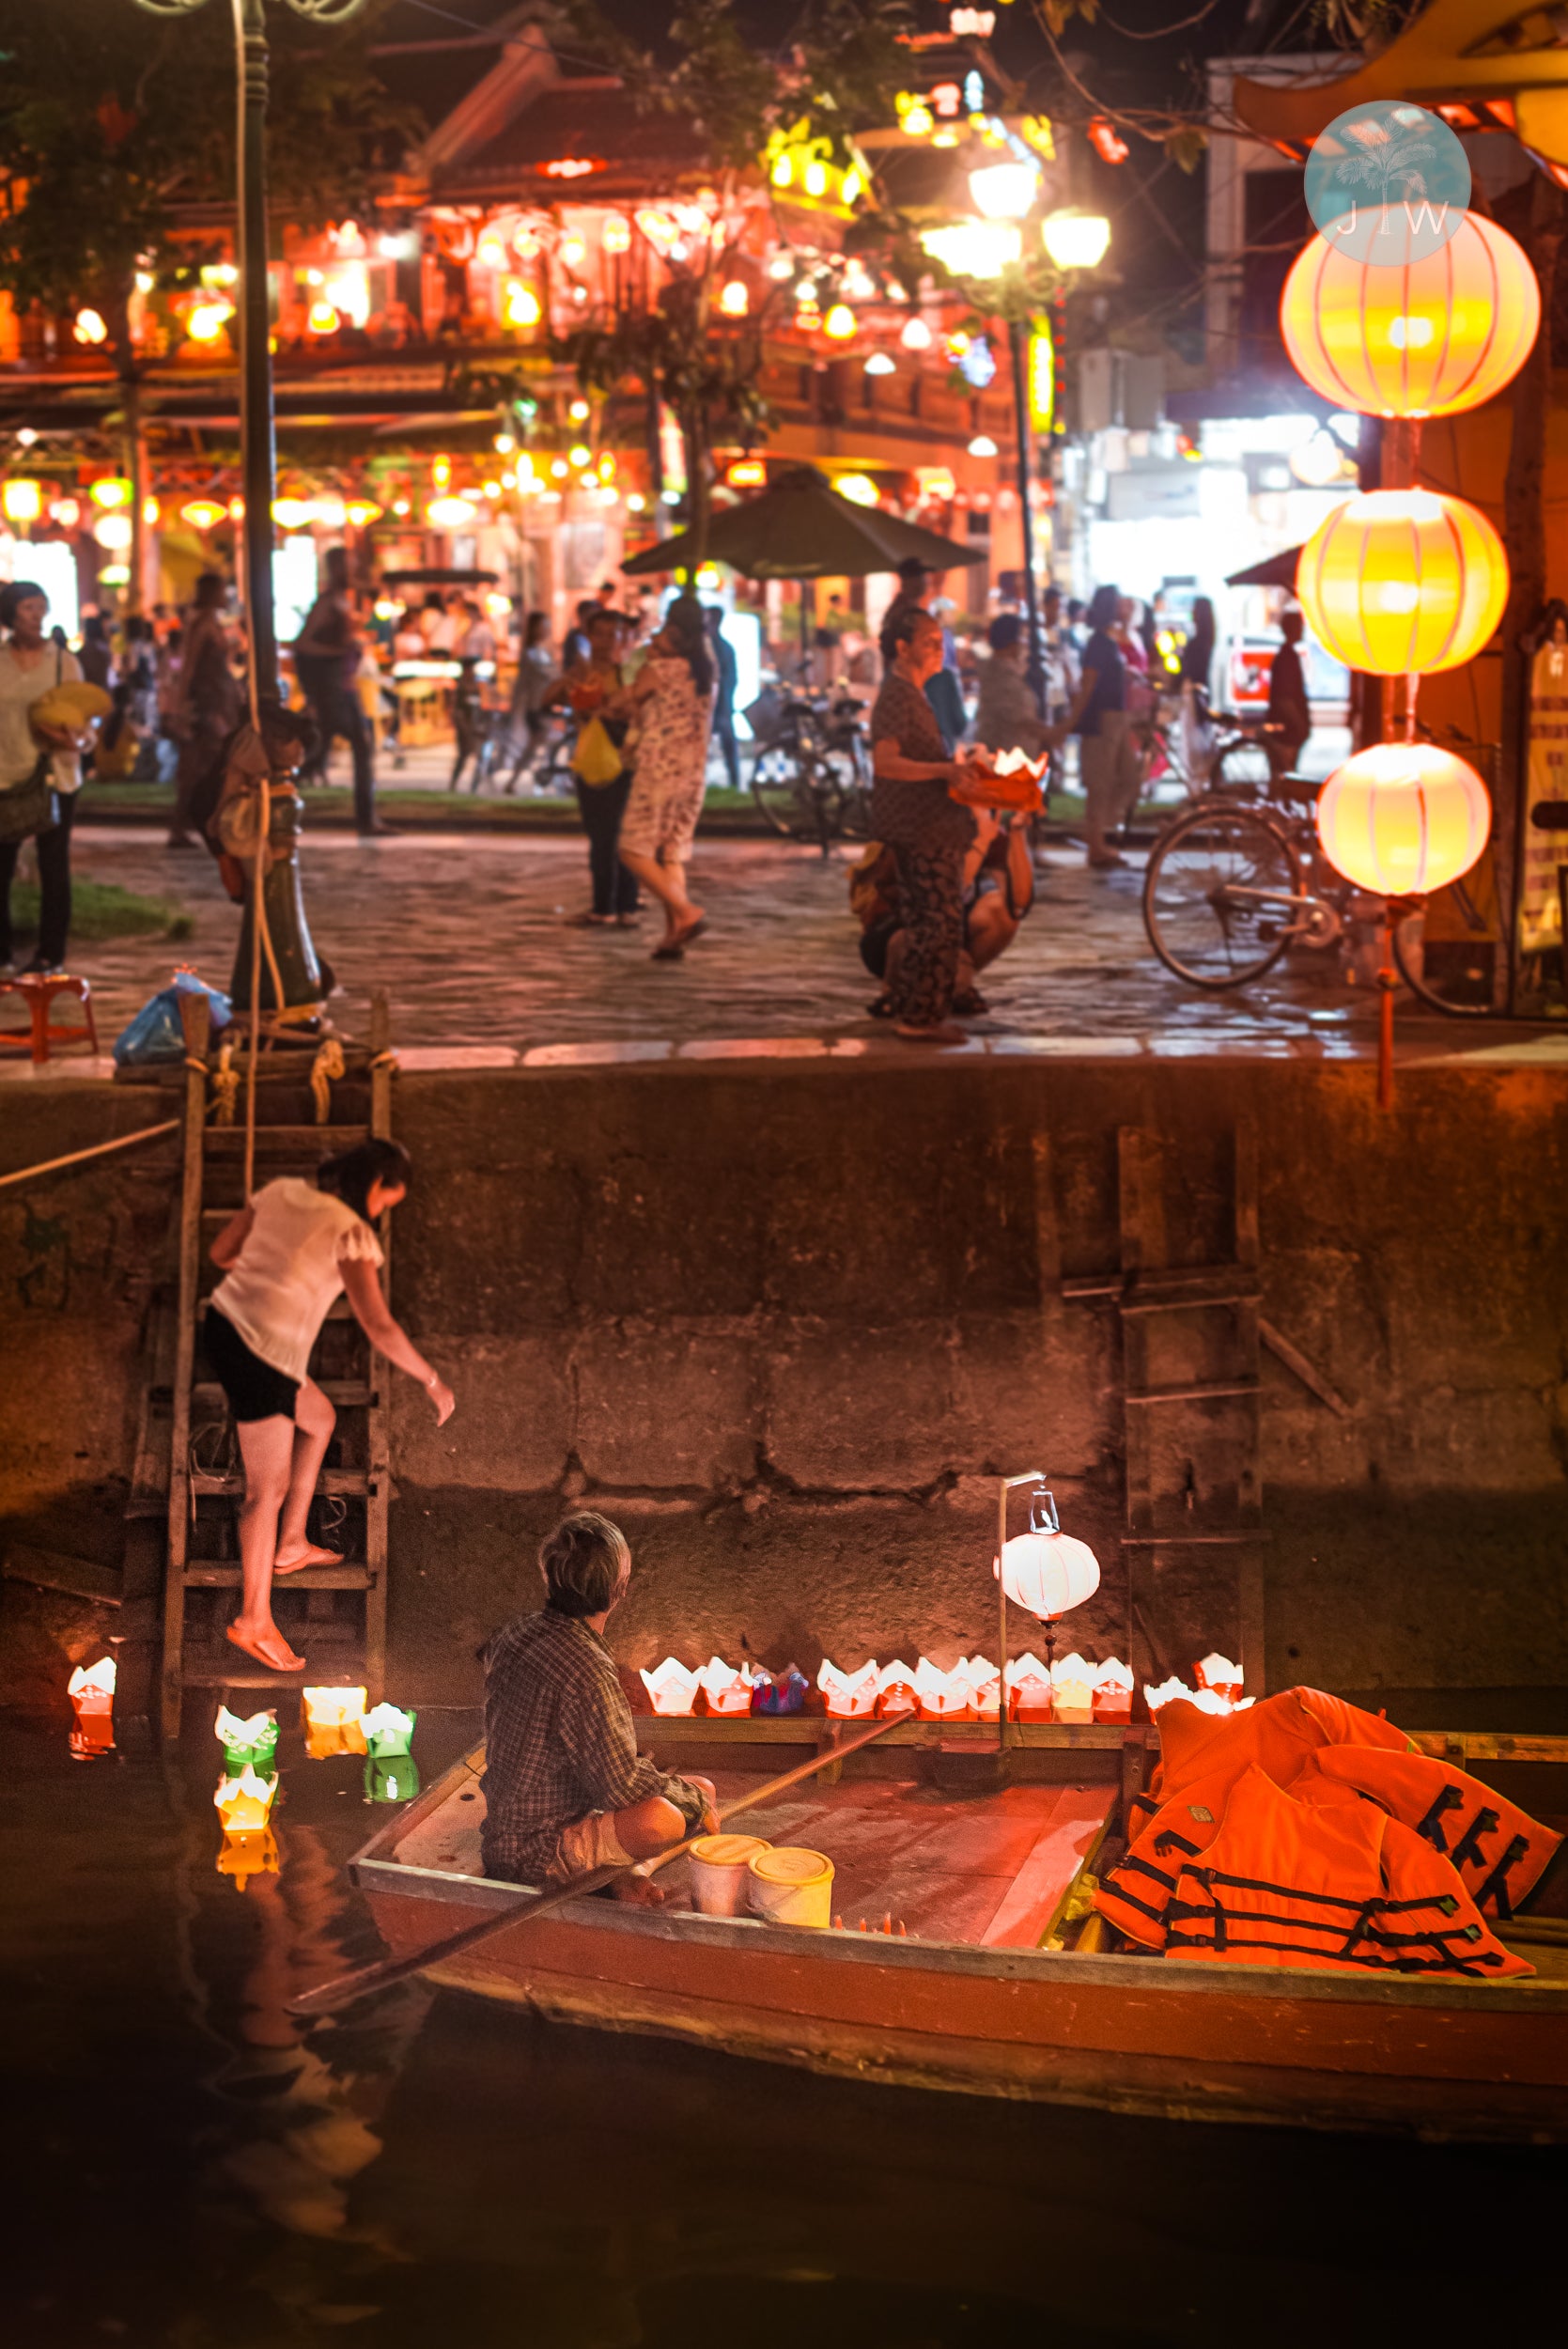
pixel 38 989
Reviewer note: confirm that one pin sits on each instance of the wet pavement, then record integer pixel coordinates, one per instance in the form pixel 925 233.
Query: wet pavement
pixel 185 2166
pixel 467 931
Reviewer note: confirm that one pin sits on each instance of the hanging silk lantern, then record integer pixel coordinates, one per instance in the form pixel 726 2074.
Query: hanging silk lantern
pixel 1403 819
pixel 330 1718
pixel 1429 338
pixel 1403 582
pixel 91 1690
pixel 1048 1571
pixel 254 1741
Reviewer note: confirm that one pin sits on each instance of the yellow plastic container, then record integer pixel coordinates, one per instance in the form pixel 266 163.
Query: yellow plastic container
pixel 719 1873
pixel 791 1885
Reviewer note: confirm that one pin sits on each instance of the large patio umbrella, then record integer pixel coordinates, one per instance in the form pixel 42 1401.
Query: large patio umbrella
pixel 800 528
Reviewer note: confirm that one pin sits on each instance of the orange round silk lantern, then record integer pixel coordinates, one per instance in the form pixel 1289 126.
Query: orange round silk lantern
pixel 1427 339
pixel 1402 818
pixel 1403 582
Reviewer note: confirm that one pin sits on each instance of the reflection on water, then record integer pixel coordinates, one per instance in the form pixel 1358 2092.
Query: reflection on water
pixel 193 2168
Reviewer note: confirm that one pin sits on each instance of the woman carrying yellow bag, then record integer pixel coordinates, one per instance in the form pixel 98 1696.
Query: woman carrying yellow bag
pixel 603 772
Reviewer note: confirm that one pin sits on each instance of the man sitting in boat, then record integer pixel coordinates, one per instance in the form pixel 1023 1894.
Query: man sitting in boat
pixel 565 1789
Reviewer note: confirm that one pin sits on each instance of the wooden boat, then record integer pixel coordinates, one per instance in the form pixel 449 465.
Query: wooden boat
pixel 992 1987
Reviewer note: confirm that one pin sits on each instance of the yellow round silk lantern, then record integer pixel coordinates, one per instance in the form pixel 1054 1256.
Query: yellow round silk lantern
pixel 1402 818
pixel 1426 340
pixel 1403 582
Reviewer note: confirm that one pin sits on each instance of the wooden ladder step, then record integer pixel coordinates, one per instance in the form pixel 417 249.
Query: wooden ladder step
pixel 1206 1390
pixel 330 1480
pixel 221 1573
pixel 333 1665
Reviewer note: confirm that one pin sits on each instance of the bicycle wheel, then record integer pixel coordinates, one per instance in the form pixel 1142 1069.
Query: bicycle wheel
pixel 1455 975
pixel 1241 765
pixel 1216 896
pixel 800 796
pixel 854 793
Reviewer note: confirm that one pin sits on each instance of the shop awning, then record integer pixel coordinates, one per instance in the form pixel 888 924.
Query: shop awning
pixel 1275 571
pixel 799 527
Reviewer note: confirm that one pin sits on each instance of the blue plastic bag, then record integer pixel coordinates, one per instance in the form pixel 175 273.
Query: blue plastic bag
pixel 155 1033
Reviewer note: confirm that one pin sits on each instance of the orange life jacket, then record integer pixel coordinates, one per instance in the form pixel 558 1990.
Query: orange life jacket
pixel 1327 1884
pixel 1277 1734
pixel 1499 1850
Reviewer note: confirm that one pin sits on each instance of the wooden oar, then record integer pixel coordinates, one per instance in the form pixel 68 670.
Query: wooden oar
pixel 346 1988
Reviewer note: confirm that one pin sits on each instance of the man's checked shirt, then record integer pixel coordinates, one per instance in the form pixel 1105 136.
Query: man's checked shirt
pixel 559 1742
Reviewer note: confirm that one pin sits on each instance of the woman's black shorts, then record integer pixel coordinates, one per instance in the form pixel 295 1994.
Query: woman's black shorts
pixel 253 1388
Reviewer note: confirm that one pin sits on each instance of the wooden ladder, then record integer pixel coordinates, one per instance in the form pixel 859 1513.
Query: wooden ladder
pixel 202 1552
pixel 1211 1413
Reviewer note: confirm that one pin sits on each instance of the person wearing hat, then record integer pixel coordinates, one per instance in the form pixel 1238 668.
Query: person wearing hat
pixel 40 772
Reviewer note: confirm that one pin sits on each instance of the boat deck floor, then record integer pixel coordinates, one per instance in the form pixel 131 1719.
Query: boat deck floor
pixel 990 1869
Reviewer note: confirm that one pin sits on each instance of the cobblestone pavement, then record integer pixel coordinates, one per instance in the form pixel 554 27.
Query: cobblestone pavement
pixel 467 932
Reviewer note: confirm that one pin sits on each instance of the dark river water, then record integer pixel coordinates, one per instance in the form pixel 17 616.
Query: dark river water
pixel 184 2164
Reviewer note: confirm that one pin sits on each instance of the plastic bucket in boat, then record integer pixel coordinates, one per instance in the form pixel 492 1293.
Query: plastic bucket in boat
pixel 719 1877
pixel 790 1886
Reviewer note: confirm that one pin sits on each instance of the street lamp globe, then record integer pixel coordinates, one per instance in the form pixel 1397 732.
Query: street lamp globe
pixel 1004 191
pixel 974 248
pixel 1076 240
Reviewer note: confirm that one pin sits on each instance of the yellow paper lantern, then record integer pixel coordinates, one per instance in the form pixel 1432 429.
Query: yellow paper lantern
pixel 1403 582
pixel 204 513
pixel 22 499
pixel 1427 339
pixel 1402 818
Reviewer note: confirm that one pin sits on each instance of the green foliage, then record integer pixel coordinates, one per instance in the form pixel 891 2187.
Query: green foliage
pixel 101 909
pixel 113 121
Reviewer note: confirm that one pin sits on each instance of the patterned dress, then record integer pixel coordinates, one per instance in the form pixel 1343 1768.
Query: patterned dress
pixel 667 795
pixel 929 834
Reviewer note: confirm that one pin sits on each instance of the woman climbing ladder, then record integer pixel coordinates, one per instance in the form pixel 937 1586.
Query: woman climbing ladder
pixel 287 1256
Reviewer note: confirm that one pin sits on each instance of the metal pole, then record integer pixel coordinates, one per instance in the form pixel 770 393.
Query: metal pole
pixel 257 448
pixel 1018 335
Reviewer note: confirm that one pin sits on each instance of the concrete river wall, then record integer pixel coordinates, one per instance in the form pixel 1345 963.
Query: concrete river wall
pixel 783 1318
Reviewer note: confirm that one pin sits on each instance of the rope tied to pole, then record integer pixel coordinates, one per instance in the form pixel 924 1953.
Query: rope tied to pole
pixel 326 1069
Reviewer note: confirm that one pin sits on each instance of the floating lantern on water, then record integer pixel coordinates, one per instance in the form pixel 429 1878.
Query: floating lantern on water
pixel 245 1801
pixel 781 1692
pixel 254 1741
pixel 1072 1683
pixel 1207 1699
pixel 1113 1691
pixel 1030 1695
pixel 331 1720
pixel 722 1690
pixel 391 1778
pixel 672 1690
pixel 896 1691
pixel 851 1696
pixel 91 1690
pixel 1218 1672
pixel 388 1733
pixel 246 1852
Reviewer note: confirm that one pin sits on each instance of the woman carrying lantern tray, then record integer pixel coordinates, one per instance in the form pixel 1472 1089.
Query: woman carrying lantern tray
pixel 288 1255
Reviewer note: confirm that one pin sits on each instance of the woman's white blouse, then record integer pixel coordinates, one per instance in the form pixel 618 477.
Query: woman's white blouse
pixel 288 1272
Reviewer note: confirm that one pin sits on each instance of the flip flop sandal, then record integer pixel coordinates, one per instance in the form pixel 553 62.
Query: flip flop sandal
pixel 257 1656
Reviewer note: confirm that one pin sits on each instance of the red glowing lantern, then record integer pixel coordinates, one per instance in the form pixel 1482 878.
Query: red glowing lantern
pixel 1403 582
pixel 1402 818
pixel 1428 338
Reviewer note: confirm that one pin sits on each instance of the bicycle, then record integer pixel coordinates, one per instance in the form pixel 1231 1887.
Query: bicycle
pixel 811 775
pixel 1231 887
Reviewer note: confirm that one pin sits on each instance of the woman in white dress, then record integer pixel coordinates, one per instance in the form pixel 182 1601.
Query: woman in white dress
pixel 286 1257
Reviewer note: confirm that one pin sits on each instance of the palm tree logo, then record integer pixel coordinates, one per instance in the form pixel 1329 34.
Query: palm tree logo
pixel 1388 182
pixel 1387 156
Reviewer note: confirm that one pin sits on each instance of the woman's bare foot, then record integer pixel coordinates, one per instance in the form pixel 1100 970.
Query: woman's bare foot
pixel 292 1561
pixel 639 1890
pixel 265 1644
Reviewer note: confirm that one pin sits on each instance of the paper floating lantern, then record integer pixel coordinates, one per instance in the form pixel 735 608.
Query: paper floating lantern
pixel 849 1696
pixel 1072 1685
pixel 896 1691
pixel 91 1690
pixel 984 1682
pixel 778 1692
pixel 1048 1571
pixel 672 1690
pixel 332 1722
pixel 722 1690
pixel 245 1801
pixel 1207 1699
pixel 1403 582
pixel 1112 1691
pixel 1402 818
pixel 1430 338
pixel 391 1778
pixel 387 1731
pixel 254 1741
pixel 1218 1672
pixel 1028 1690
pixel 943 1696
pixel 246 1852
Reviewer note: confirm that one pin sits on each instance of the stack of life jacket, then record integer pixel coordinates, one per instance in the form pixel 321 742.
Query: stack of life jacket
pixel 1305 1832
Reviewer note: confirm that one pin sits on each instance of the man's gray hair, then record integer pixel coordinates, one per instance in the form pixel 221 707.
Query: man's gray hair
pixel 584 1562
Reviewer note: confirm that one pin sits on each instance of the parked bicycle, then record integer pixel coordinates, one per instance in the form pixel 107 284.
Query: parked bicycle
pixel 1231 885
pixel 811 774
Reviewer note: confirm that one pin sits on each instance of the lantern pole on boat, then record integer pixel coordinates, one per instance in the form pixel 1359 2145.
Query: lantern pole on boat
pixel 1004 1486
pixel 345 1989
pixel 1045 1570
